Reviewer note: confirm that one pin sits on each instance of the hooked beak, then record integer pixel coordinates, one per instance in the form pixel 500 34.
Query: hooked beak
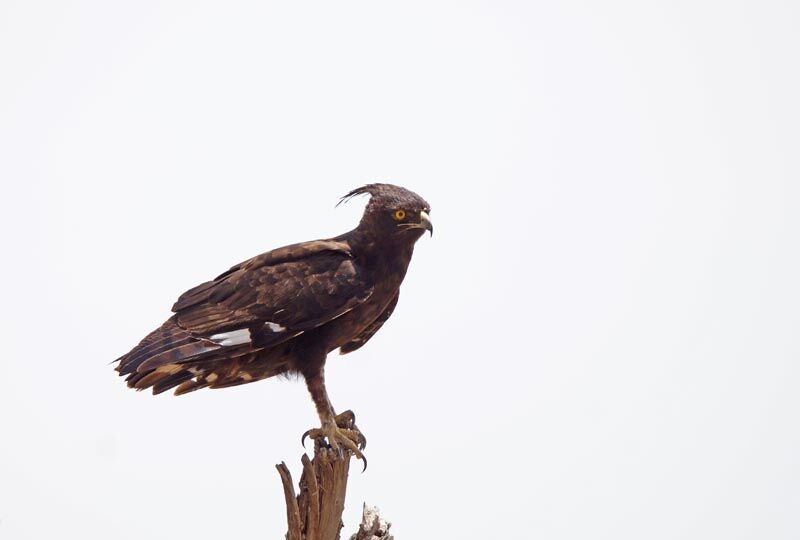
pixel 425 222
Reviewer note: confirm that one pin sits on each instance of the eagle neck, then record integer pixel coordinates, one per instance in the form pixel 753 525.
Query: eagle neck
pixel 386 257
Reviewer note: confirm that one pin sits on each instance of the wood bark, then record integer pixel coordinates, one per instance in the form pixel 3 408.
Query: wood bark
pixel 316 512
pixel 372 527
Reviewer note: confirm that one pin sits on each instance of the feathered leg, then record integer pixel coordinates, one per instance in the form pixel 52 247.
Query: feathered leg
pixel 340 431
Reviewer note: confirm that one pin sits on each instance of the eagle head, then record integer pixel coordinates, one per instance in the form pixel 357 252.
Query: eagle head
pixel 394 211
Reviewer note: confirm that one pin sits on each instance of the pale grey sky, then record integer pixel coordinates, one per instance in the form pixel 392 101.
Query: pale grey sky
pixel 601 340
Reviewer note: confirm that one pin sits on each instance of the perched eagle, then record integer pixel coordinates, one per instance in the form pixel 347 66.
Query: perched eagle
pixel 283 311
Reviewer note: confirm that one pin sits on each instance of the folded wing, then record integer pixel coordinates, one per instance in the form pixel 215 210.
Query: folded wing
pixel 255 305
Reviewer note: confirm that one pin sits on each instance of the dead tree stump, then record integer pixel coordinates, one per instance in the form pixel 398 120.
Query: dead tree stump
pixel 316 513
pixel 372 527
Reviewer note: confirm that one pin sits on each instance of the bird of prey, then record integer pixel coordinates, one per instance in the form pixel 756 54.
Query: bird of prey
pixel 282 312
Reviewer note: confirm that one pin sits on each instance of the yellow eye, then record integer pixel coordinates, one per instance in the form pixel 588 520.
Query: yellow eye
pixel 399 215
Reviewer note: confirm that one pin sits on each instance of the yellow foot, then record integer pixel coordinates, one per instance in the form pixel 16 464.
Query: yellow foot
pixel 340 435
pixel 347 420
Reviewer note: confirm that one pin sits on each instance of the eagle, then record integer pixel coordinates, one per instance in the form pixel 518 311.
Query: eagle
pixel 282 312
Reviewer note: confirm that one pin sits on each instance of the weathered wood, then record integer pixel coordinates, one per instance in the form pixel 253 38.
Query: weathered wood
pixel 372 527
pixel 312 491
pixel 316 512
pixel 292 511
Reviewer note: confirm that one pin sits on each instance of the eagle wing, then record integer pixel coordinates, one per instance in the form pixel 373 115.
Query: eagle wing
pixel 298 287
pixel 259 303
pixel 370 330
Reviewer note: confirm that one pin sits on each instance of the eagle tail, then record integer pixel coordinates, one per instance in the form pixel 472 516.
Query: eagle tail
pixel 190 386
pixel 171 357
pixel 168 336
pixel 164 358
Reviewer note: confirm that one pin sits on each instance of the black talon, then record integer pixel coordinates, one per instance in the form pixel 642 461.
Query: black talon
pixel 348 418
pixel 365 463
pixel 303 438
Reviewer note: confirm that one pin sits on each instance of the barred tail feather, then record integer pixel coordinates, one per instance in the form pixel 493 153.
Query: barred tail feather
pixel 163 359
pixel 163 338
pixel 172 357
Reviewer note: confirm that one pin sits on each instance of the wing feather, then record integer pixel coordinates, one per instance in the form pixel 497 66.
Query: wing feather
pixel 358 341
pixel 255 305
pixel 294 252
pixel 296 294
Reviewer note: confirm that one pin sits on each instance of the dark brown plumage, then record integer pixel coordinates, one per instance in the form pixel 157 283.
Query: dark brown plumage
pixel 283 311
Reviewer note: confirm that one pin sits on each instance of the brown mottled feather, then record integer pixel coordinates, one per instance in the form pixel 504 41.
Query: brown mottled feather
pixel 164 338
pixel 172 381
pixel 318 276
pixel 284 310
pixel 324 283
pixel 363 337
pixel 272 258
pixel 190 386
pixel 189 351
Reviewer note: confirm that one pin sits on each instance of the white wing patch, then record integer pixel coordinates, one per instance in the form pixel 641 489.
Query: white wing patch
pixel 234 337
pixel 242 336
pixel 275 327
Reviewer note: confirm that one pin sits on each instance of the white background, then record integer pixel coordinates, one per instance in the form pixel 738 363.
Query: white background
pixel 600 341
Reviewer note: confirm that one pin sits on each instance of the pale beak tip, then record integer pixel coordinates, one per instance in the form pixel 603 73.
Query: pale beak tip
pixel 425 221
